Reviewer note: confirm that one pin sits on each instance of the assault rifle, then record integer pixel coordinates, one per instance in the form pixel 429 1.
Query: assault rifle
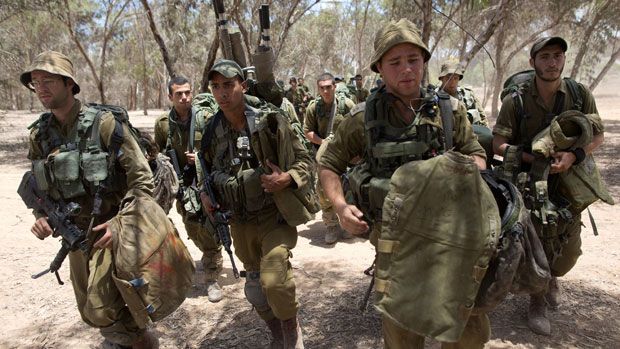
pixel 59 217
pixel 185 176
pixel 218 217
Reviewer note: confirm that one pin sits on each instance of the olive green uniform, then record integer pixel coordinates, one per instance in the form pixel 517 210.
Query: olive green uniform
pixel 361 94
pixel 212 252
pixel 317 120
pixel 297 98
pixel 262 239
pixel 509 127
pixel 99 302
pixel 350 142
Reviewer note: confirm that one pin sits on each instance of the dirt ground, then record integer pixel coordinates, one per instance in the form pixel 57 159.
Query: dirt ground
pixel 330 283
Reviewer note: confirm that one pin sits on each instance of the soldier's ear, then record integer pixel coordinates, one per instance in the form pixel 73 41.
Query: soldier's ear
pixel 532 63
pixel 244 85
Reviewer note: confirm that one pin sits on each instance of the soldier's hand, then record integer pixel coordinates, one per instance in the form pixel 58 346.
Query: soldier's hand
pixel 191 157
pixel 106 240
pixel 275 181
pixel 351 219
pixel 41 228
pixel 207 206
pixel 562 161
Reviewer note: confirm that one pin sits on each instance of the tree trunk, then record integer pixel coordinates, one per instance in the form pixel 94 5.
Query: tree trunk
pixel 499 69
pixel 585 46
pixel 498 17
pixel 612 60
pixel 160 41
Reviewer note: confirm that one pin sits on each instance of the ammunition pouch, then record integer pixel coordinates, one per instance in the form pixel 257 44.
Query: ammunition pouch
pixel 368 192
pixel 191 203
pixel 227 189
pixel 254 197
pixel 511 166
pixel 65 168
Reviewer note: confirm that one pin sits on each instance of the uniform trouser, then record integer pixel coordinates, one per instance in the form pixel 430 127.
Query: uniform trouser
pixel 330 218
pixel 263 244
pixel 205 240
pixel 477 332
pixel 98 300
pixel 570 251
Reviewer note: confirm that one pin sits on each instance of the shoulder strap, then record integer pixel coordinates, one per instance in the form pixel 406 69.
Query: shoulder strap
pixel 210 131
pixel 573 89
pixel 192 130
pixel 170 131
pixel 447 117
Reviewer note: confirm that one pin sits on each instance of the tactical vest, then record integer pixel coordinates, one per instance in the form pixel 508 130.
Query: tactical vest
pixel 236 171
pixel 80 165
pixel 389 147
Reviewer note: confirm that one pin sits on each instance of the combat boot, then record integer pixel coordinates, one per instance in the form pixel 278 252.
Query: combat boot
pixel 331 235
pixel 148 340
pixel 553 294
pixel 291 330
pixel 277 339
pixel 537 319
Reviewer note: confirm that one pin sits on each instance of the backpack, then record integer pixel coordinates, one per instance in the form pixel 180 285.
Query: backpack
pixel 153 268
pixel 121 117
pixel 205 106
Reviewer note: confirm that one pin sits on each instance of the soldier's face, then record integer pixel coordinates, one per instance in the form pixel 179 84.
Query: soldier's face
pixel 402 68
pixel 549 63
pixel 450 82
pixel 327 90
pixel 228 92
pixel 181 97
pixel 358 82
pixel 52 91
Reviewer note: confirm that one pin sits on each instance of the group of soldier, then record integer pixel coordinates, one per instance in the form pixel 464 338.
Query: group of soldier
pixel 259 165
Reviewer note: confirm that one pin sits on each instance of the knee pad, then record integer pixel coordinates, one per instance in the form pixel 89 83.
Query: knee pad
pixel 254 291
pixel 274 267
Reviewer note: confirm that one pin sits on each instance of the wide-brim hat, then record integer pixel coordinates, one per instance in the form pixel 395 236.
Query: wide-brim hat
pixel 395 33
pixel 54 63
pixel 452 68
pixel 546 41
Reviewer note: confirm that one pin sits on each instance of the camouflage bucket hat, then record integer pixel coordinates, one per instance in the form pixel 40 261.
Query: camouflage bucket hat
pixel 227 68
pixel 542 42
pixel 395 33
pixel 452 67
pixel 54 63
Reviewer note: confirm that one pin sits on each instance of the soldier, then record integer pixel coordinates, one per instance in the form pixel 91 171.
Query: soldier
pixel 546 96
pixel 54 139
pixel 172 132
pixel 323 116
pixel 400 57
pixel 248 184
pixel 451 73
pixel 303 87
pixel 360 92
pixel 296 96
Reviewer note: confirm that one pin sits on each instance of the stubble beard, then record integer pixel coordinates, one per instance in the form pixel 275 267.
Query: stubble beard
pixel 540 75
